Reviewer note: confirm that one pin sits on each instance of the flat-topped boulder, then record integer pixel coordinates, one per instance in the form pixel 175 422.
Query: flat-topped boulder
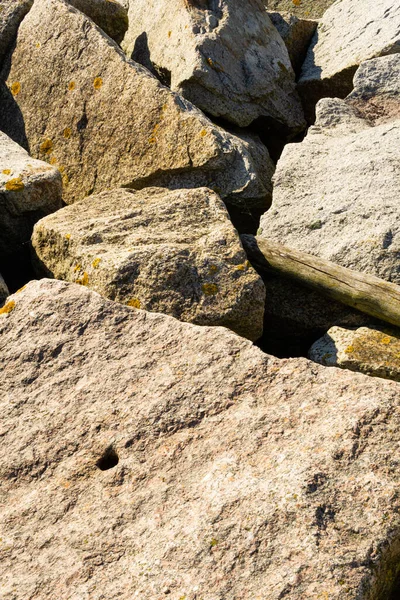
pixel 174 252
pixel 336 194
pixel 367 350
pixel 226 57
pixel 29 190
pixel 106 122
pixel 139 451
pixel 350 32
pixel 110 15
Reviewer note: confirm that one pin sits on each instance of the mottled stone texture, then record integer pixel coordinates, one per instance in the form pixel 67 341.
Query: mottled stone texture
pixel 226 57
pixel 296 33
pixel 29 190
pixel 174 252
pixel 11 14
pixel 110 15
pixel 305 9
pixel 144 456
pixel 105 121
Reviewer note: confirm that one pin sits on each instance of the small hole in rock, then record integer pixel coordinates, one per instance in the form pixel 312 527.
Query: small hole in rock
pixel 108 461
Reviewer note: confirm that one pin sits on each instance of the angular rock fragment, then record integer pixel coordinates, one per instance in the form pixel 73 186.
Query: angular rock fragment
pixel 366 350
pixel 336 194
pixel 11 14
pixel 174 252
pixel 138 450
pixel 296 33
pixel 3 290
pixel 110 15
pixel 107 122
pixel 304 9
pixel 225 57
pixel 351 31
pixel 29 190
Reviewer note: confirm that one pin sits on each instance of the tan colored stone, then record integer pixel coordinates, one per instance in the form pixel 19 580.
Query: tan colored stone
pixel 11 14
pixel 174 252
pixel 110 15
pixel 304 9
pixel 238 475
pixel 106 122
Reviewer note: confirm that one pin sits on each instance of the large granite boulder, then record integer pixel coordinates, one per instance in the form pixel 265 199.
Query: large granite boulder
pixel 350 32
pixel 336 194
pixel 366 350
pixel 174 252
pixel 110 15
pixel 225 57
pixel 29 190
pixel 145 457
pixel 11 14
pixel 106 122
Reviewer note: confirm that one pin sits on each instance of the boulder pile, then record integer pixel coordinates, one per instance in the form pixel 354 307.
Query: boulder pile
pixel 199 299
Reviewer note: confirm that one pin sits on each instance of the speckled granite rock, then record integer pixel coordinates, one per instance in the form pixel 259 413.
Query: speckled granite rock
pixel 296 33
pixel 366 350
pixel 110 15
pixel 225 57
pixel 351 31
pixel 3 290
pixel 145 456
pixel 29 190
pixel 304 9
pixel 11 14
pixel 174 252
pixel 106 121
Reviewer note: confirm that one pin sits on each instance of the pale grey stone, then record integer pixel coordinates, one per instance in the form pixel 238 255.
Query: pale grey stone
pixel 11 14
pixel 296 33
pixel 225 57
pixel 222 452
pixel 174 252
pixel 29 190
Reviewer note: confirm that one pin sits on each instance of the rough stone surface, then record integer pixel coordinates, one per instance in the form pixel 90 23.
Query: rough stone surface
pixel 225 57
pixel 296 33
pixel 336 194
pixel 11 14
pixel 304 9
pixel 3 290
pixel 107 122
pixel 174 252
pixel 351 31
pixel 376 92
pixel 238 474
pixel 369 351
pixel 29 190
pixel 110 15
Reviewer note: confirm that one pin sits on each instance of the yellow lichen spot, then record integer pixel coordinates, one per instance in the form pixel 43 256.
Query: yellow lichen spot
pixel 15 185
pixel 67 236
pixel 97 83
pixel 169 33
pixel 6 171
pixel 53 160
pixel 385 340
pixel 213 543
pixel 7 308
pixel 296 2
pixel 21 289
pixel 96 263
pixel 152 139
pixel 212 269
pixel 15 88
pixel 84 280
pixel 209 289
pixel 349 350
pixel 38 44
pixel 135 303
pixel 203 133
pixel 243 267
pixel 71 86
pixel 77 268
pixel 65 179
pixel 67 132
pixel 47 146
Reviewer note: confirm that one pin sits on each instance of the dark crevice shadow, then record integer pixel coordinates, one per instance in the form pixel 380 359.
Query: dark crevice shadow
pixel 11 119
pixel 141 55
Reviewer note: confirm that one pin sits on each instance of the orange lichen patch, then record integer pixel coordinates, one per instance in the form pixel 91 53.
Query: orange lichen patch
pixel 7 308
pixel 97 83
pixel 203 133
pixel 6 171
pixel 21 289
pixel 67 236
pixel 169 33
pixel 84 280
pixel 53 160
pixel 77 268
pixel 71 86
pixel 96 263
pixel 47 146
pixel 349 350
pixel 15 185
pixel 134 302
pixel 67 132
pixel 152 139
pixel 38 44
pixel 209 289
pixel 296 2
pixel 15 88
pixel 386 340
